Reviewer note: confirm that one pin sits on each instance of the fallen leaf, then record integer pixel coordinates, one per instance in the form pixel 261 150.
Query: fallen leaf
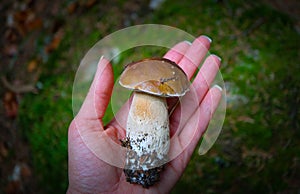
pixel 10 104
pixel 53 45
pixel 90 3
pixel 25 171
pixel 19 21
pixel 3 150
pixel 32 65
pixel 33 24
pixel 26 21
pixel 72 7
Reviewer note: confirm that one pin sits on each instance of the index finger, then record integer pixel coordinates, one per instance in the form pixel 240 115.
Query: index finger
pixel 194 55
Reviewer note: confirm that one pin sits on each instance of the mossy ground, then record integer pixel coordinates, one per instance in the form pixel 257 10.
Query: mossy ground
pixel 258 149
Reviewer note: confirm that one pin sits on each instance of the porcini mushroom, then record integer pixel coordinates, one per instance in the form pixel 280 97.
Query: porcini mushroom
pixel 147 129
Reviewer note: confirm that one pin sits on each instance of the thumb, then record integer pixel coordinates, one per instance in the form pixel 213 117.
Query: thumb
pixel 97 99
pixel 87 127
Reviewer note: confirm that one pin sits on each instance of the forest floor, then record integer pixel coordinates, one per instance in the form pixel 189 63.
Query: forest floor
pixel 39 35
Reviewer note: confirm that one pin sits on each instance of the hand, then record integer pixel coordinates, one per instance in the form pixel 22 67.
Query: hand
pixel 89 174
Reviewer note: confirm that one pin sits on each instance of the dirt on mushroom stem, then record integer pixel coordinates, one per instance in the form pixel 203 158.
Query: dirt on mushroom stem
pixel 147 139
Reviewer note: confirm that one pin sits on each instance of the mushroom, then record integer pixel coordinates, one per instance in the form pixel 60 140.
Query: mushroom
pixel 147 129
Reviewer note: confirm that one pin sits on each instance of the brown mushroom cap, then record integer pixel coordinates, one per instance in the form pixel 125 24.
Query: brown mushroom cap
pixel 160 77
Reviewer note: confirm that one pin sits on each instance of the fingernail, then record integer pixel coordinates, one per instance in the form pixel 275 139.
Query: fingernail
pixel 218 87
pixel 208 38
pixel 188 42
pixel 101 58
pixel 219 58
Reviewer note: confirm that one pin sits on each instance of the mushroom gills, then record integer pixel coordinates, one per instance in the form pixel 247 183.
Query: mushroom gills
pixel 147 137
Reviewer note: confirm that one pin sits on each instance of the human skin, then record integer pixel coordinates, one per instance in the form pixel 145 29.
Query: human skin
pixel 89 174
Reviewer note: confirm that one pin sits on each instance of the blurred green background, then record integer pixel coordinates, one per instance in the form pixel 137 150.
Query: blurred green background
pixel 258 41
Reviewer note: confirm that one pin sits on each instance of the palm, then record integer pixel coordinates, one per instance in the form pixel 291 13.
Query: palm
pixel 102 177
pixel 89 174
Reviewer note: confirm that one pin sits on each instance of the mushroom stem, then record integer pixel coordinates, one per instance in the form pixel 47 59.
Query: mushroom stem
pixel 147 131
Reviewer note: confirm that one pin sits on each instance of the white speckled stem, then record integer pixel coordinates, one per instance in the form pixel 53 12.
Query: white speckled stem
pixel 148 132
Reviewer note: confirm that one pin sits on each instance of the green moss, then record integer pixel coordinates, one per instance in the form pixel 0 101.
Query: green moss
pixel 260 60
pixel 45 119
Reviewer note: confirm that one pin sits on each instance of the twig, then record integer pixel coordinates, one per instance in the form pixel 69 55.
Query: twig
pixel 18 89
